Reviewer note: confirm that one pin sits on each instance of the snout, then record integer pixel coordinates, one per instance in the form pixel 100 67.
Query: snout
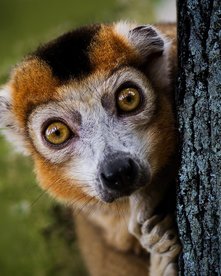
pixel 120 175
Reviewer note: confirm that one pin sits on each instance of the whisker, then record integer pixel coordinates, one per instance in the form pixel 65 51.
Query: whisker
pixel 93 208
pixel 80 210
pixel 45 190
pixel 38 198
pixel 77 199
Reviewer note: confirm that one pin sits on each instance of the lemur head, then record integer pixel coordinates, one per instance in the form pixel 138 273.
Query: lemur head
pixel 91 108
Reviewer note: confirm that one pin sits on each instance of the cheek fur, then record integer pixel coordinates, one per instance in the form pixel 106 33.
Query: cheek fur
pixel 52 180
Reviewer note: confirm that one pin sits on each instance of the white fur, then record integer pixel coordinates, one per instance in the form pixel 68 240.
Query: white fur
pixel 8 124
pixel 123 28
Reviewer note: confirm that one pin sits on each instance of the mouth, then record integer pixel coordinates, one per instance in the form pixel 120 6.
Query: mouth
pixel 109 196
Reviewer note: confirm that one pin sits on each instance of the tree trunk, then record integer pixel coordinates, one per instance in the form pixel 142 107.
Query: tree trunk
pixel 199 119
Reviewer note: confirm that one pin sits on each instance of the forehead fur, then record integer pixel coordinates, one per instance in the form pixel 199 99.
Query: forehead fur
pixel 70 58
pixel 111 49
pixel 79 53
pixel 68 55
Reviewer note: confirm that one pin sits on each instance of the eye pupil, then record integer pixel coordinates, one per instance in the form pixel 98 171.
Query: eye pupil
pixel 129 99
pixel 57 132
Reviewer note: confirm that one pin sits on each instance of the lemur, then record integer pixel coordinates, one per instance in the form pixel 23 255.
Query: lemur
pixel 94 109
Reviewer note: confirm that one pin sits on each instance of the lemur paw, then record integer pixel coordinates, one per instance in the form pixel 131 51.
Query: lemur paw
pixel 158 236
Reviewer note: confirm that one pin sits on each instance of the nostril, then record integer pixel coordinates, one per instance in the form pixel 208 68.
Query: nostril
pixel 131 170
pixel 103 177
pixel 131 162
pixel 108 177
pixel 111 180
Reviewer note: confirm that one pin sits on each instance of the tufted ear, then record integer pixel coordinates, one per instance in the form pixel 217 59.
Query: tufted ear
pixel 147 41
pixel 8 123
pixel 152 47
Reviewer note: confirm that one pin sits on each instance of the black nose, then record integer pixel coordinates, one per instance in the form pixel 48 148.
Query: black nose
pixel 119 174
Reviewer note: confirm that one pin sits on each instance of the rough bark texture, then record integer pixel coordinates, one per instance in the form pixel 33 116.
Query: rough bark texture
pixel 199 118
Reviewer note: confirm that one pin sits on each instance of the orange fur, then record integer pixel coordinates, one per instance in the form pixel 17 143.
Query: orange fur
pixel 110 50
pixel 52 179
pixel 32 84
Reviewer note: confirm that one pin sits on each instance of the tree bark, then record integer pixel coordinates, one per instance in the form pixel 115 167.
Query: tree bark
pixel 199 119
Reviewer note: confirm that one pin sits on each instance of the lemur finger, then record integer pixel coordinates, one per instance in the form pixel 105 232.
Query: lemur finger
pixel 148 241
pixel 160 228
pixel 166 242
pixel 149 224
pixel 174 250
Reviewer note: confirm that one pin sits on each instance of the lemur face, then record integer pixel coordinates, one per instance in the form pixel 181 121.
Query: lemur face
pixel 90 109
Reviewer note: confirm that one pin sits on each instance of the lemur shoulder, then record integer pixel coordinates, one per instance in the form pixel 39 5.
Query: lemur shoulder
pixel 94 109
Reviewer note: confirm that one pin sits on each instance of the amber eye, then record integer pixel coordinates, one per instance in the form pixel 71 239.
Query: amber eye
pixel 57 133
pixel 128 99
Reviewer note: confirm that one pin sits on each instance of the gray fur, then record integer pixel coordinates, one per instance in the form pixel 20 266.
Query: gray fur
pixel 100 132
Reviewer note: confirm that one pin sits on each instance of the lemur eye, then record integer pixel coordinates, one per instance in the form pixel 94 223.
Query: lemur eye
pixel 128 99
pixel 57 133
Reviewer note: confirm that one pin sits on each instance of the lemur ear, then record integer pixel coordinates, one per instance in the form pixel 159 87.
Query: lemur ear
pixel 147 41
pixel 152 47
pixel 8 123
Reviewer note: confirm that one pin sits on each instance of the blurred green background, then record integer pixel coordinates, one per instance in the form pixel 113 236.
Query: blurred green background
pixel 36 234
